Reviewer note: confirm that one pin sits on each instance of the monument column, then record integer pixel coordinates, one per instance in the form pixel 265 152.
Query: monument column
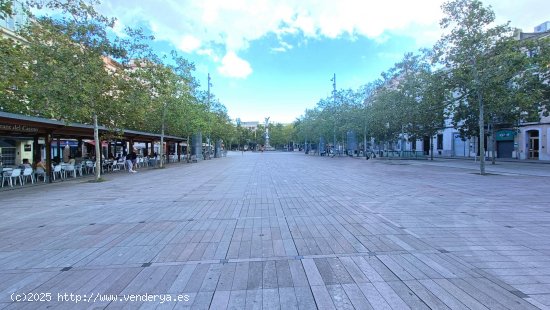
pixel 267 147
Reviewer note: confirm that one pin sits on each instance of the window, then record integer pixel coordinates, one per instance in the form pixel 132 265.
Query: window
pixel 440 142
pixel 8 156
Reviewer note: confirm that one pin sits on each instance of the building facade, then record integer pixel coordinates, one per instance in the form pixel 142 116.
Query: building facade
pixel 524 141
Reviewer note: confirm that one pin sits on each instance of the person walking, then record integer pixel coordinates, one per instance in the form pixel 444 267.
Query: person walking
pixel 129 163
pixel 133 156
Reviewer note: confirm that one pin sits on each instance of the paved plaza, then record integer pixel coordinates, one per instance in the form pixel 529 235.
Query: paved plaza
pixel 282 231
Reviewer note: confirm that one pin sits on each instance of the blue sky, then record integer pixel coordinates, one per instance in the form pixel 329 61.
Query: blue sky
pixel 276 58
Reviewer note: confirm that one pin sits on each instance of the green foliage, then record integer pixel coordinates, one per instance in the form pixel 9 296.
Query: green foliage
pixel 485 67
pixel 14 75
pixel 474 65
pixel 280 135
pixel 409 99
pixel 71 68
pixel 61 72
pixel 5 8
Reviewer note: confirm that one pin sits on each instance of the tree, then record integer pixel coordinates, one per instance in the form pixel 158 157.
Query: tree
pixel 70 69
pixel 65 59
pixel 6 8
pixel 384 115
pixel 483 65
pixel 368 92
pixel 313 125
pixel 14 75
pixel 421 96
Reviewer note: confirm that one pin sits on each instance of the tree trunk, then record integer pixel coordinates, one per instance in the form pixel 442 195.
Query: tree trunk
pixel 481 121
pixel 481 137
pixel 97 150
pixel 494 145
pixel 49 157
pixel 431 149
pixel 365 143
pixel 161 149
pixel 188 157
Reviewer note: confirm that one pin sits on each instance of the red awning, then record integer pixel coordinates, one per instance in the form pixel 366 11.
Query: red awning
pixel 92 142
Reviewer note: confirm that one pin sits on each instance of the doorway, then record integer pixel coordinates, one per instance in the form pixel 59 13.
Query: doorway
pixel 459 145
pixel 426 145
pixel 533 144
pixel 505 149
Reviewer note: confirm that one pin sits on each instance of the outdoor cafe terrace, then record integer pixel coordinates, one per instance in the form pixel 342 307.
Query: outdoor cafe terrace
pixel 22 127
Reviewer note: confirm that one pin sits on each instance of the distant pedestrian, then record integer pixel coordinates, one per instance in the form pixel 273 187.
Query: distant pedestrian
pixel 129 163
pixel 133 156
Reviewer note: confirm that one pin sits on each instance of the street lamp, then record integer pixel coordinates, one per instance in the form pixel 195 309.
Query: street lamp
pixel 209 119
pixel 334 98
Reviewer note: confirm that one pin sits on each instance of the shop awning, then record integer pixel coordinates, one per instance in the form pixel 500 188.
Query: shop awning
pixel 92 142
pixel 506 135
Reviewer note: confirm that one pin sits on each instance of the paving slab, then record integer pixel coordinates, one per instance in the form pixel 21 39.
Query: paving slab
pixel 283 230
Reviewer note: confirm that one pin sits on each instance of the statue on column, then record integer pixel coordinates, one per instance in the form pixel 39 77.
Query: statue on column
pixel 266 124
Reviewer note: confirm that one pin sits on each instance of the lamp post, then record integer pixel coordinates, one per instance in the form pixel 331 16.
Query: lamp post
pixel 365 133
pixel 209 120
pixel 334 98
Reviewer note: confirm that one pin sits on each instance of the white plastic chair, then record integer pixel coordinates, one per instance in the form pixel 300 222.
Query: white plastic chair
pixel 78 168
pixel 40 172
pixel 114 166
pixel 28 173
pixel 56 171
pixel 13 176
pixel 6 177
pixel 69 169
pixel 90 166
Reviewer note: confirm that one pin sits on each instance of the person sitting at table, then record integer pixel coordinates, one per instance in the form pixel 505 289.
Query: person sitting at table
pixel 41 164
pixel 25 164
pixel 40 170
pixel 71 161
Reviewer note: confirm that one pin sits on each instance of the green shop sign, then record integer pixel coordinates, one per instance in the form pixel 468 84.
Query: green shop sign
pixel 506 135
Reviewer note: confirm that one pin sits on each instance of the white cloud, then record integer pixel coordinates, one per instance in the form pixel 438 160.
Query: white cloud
pixel 210 53
pixel 286 45
pixel 282 48
pixel 278 49
pixel 232 25
pixel 206 51
pixel 118 29
pixel 189 43
pixel 525 14
pixel 234 66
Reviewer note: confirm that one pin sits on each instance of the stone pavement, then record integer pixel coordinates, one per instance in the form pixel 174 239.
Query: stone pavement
pixel 281 230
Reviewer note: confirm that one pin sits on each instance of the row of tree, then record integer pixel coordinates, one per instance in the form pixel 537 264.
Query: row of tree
pixel 280 136
pixel 476 73
pixel 69 65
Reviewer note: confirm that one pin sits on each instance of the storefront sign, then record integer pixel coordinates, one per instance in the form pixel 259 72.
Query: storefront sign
pixel 64 143
pixel 506 135
pixel 18 128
